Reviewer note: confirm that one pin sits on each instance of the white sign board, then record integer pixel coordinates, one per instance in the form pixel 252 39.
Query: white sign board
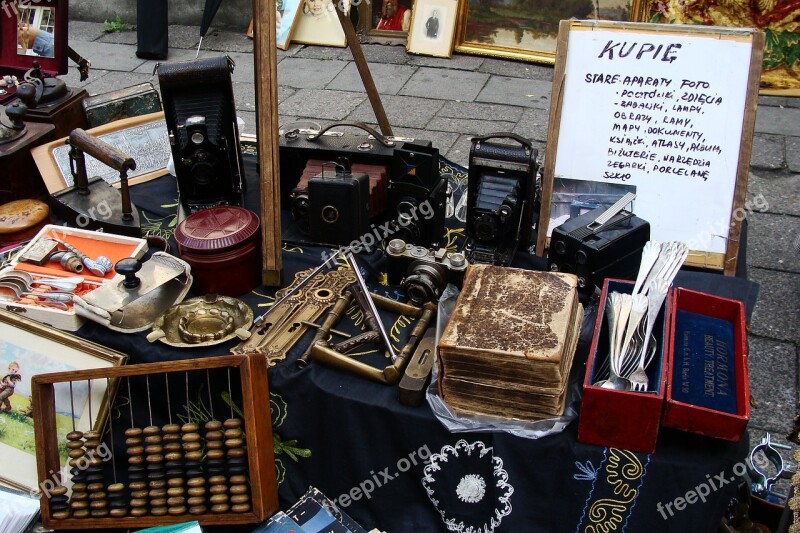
pixel 658 111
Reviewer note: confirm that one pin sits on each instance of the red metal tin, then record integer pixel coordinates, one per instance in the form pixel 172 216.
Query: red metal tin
pixel 223 247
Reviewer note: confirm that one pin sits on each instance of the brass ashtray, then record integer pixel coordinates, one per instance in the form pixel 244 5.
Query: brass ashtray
pixel 203 321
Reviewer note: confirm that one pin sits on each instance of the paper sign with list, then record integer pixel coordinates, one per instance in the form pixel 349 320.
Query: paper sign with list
pixel 660 114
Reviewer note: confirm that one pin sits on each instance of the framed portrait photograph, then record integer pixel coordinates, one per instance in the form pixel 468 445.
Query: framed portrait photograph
pixel 34 31
pixel 433 24
pixel 385 21
pixel 778 19
pixel 286 18
pixel 318 23
pixel 527 29
pixel 28 348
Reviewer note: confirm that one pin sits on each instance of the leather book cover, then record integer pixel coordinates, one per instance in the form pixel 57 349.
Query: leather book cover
pixel 486 391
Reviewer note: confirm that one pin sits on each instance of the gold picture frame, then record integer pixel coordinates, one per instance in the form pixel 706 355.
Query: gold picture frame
pixel 780 72
pixel 528 34
pixel 369 14
pixel 38 349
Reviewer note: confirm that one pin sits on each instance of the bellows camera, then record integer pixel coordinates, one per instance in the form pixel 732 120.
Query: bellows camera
pixel 201 120
pixel 502 185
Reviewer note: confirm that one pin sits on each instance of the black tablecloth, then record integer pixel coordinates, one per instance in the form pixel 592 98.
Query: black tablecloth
pixel 397 468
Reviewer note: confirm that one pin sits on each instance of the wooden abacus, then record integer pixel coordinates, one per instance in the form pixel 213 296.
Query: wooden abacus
pixel 170 478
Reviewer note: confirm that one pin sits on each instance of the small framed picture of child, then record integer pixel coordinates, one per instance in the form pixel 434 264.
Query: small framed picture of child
pixel 28 348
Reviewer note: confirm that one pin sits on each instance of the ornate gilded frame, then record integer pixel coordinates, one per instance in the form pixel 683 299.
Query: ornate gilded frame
pixel 468 44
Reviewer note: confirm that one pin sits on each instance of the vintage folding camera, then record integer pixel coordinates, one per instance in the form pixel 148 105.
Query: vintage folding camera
pixel 201 120
pixel 423 273
pixel 501 191
pixel 606 242
pixel 411 196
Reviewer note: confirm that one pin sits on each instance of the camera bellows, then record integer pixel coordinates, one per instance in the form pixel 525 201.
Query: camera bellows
pixel 508 348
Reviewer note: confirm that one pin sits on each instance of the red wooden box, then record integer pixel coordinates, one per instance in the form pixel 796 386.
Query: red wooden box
pixel 694 418
pixel 622 419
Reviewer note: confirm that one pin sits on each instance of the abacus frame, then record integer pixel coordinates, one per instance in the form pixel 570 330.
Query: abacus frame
pixel 258 430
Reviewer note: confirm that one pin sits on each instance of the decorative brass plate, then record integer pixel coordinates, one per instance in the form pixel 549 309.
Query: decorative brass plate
pixel 203 321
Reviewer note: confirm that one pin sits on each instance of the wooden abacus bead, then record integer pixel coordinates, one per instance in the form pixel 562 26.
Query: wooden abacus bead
pixel 176 510
pixel 232 423
pixel 175 484
pixel 239 489
pixel 240 508
pixel 137 485
pixel 240 498
pixel 171 429
pixel 79 492
pixel 216 482
pixel 75 435
pixel 79 505
pixel 195 492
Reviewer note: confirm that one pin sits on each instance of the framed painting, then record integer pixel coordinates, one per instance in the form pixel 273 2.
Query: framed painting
pixel 527 29
pixel 28 348
pixel 778 19
pixel 34 31
pixel 318 23
pixel 432 25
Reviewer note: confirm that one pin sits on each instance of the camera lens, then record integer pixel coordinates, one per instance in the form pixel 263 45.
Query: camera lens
pixel 485 227
pixel 408 231
pixel 425 282
pixel 330 214
pixel 300 206
pixel 203 170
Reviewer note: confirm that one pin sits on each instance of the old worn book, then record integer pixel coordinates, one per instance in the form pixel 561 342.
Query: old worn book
pixel 508 348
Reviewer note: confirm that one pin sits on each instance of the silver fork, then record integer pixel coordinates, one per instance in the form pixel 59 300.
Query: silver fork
pixel 656 293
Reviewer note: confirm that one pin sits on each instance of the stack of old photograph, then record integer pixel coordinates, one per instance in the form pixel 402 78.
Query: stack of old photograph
pixel 508 348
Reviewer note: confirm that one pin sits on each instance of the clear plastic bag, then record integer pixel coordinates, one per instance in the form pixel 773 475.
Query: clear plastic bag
pixel 458 423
